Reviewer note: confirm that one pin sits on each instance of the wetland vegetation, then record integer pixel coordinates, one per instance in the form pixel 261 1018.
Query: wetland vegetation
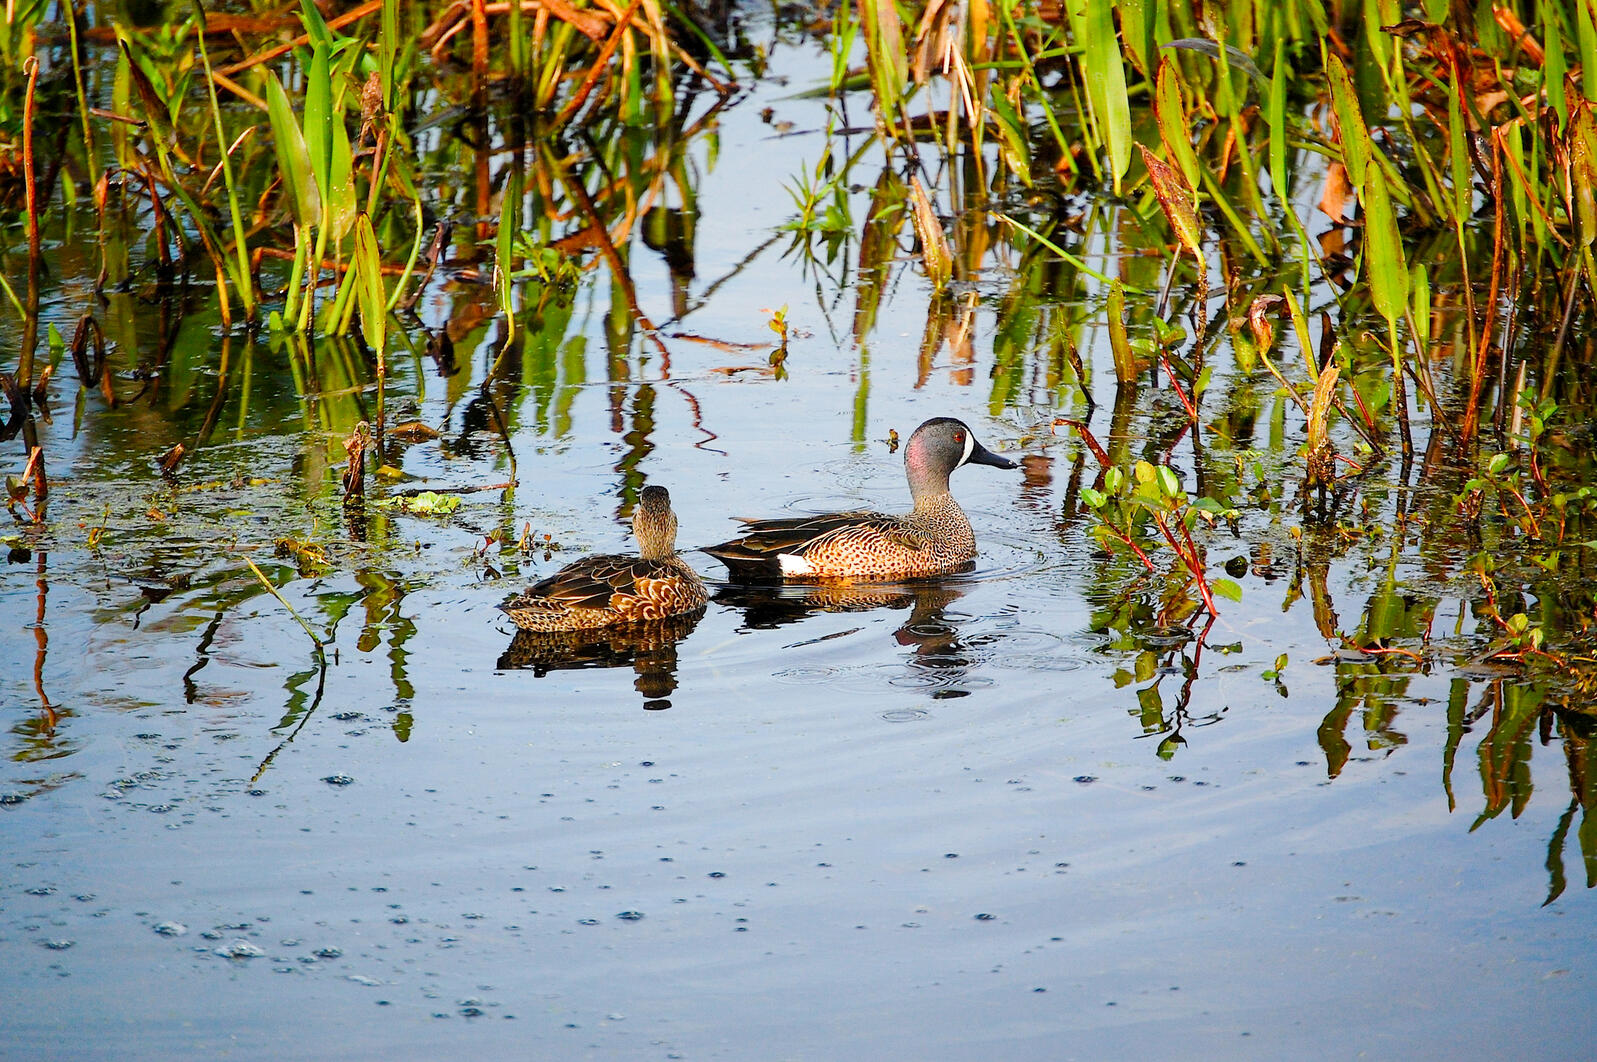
pixel 327 326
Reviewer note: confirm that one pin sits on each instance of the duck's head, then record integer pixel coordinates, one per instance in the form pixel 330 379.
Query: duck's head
pixel 654 524
pixel 938 447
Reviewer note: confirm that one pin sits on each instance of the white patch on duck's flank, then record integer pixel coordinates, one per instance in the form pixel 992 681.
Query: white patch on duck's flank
pixel 970 446
pixel 793 564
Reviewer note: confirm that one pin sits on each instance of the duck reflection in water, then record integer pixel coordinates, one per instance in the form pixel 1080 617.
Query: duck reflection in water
pixel 648 648
pixel 942 657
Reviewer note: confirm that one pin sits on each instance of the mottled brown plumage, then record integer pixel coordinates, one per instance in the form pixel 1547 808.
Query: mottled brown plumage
pixel 610 589
pixel 932 539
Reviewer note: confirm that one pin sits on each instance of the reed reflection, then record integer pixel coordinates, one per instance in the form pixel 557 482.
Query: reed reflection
pixel 650 649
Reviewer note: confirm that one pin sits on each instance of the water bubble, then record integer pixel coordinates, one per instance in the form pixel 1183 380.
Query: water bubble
pixel 1085 779
pixel 361 979
pixel 328 953
pixel 42 890
pixel 630 916
pixel 985 917
pixel 905 715
pixel 339 779
pixel 59 944
pixel 172 929
pixel 587 921
pixel 239 949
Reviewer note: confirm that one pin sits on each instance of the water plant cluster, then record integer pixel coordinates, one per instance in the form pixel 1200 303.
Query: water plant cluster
pixel 1347 311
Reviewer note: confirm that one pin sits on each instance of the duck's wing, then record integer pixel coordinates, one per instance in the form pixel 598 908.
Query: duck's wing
pixel 765 541
pixel 589 583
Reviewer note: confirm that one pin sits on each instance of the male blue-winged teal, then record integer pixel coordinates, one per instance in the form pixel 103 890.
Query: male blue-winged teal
pixel 933 539
pixel 610 589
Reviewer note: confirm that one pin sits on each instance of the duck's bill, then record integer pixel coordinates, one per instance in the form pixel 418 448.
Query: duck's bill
pixel 980 455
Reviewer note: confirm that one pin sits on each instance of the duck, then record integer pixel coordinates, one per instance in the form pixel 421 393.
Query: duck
pixel 934 538
pixel 614 589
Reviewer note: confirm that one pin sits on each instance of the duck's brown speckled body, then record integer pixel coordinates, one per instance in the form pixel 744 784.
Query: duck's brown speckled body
pixel 932 539
pixel 612 589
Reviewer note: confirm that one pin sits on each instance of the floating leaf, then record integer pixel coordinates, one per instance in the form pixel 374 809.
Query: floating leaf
pixel 1226 588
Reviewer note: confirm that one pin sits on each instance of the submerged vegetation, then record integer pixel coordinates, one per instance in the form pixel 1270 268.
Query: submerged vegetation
pixel 1348 308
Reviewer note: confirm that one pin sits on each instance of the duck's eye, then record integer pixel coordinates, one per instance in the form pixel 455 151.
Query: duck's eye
pixel 959 436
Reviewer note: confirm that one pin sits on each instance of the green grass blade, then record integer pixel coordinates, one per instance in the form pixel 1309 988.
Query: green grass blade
pixel 369 293
pixel 1105 73
pixel 293 157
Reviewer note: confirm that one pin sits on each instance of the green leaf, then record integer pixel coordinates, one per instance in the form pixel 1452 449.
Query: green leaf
pixel 1104 71
pixel 1175 128
pixel 1093 498
pixel 341 203
pixel 293 157
pixel 317 122
pixel 1119 343
pixel 315 26
pixel 1169 485
pixel 1226 588
pixel 1275 114
pixel 1383 250
pixel 369 289
pixel 1355 137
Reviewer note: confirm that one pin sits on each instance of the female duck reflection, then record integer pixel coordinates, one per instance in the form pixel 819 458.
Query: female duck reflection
pixel 614 610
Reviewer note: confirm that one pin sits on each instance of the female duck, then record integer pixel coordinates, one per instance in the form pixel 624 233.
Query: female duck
pixel 612 589
pixel 933 539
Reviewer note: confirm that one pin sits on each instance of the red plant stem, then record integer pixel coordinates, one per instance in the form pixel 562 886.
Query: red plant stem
pixel 1536 525
pixel 1189 557
pixel 1087 438
pixel 1131 545
pixel 1186 403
